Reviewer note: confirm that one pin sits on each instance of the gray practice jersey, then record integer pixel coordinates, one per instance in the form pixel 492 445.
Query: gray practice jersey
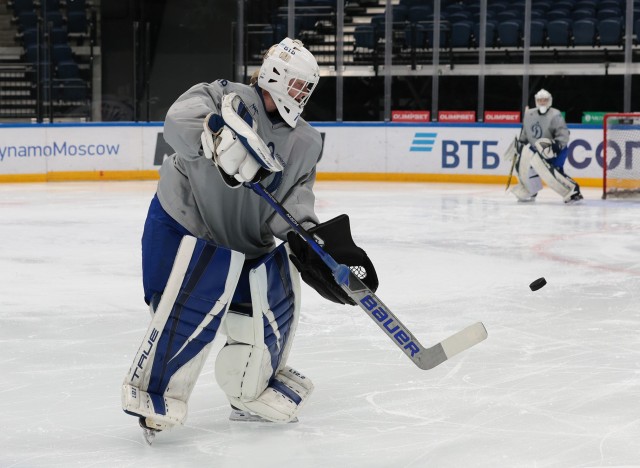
pixel 192 191
pixel 548 125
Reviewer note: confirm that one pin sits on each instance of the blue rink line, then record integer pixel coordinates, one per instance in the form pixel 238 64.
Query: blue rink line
pixel 80 124
pixel 314 124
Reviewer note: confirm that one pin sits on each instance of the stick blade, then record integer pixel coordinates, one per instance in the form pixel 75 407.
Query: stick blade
pixel 449 347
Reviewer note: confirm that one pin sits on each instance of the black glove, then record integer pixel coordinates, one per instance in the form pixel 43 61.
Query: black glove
pixel 337 242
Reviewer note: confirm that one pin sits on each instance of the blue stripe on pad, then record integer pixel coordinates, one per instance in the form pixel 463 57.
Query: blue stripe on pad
pixel 203 284
pixel 286 391
pixel 244 114
pixel 281 301
pixel 158 403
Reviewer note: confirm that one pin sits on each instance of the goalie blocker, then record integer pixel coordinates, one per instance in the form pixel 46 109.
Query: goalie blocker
pixel 259 304
pixel 231 140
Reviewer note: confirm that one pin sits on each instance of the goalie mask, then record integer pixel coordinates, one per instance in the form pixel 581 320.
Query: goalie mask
pixel 543 101
pixel 289 73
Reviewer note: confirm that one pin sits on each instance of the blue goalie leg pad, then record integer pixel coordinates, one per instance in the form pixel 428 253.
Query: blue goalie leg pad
pixel 195 316
pixel 200 287
pixel 252 368
pixel 281 300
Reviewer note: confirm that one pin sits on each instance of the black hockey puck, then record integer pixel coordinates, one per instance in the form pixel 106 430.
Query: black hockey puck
pixel 537 284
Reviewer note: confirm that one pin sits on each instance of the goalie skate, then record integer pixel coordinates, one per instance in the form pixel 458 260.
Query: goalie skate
pixel 148 433
pixel 247 416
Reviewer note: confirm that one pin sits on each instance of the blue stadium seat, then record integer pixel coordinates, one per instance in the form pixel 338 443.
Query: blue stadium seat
pixel 399 13
pixel 61 53
pixel 55 90
pixel 50 5
pixel 583 13
pixel 559 32
pixel 75 89
pixel 491 33
pixel 459 16
pixel 378 22
pixel 506 15
pixel 473 8
pixel 411 3
pixel 461 34
pixel 564 5
pixel 364 36
pixel 610 31
pixel 558 13
pixel 608 13
pixel 584 32
pixel 29 37
pixel 76 5
pixel 543 5
pixel 586 4
pixel 509 34
pixel 453 8
pixel 27 20
pixel 31 53
pixel 538 32
pixel 67 69
pixel 53 17
pixel 21 6
pixel 606 4
pixel 77 22
pixel 497 7
pixel 419 13
pixel 59 36
pixel 271 35
pixel 444 34
pixel 307 18
pixel 415 36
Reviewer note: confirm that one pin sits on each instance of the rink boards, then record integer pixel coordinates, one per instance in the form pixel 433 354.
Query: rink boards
pixel 352 151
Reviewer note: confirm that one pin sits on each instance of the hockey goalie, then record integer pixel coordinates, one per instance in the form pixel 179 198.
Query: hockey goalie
pixel 540 153
pixel 210 262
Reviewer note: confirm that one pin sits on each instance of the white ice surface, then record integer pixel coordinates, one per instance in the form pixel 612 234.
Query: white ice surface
pixel 556 384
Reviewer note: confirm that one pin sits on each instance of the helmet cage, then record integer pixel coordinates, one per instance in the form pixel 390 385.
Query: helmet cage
pixel 544 100
pixel 289 73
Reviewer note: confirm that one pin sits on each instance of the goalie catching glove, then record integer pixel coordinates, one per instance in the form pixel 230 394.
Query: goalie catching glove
pixel 334 236
pixel 231 140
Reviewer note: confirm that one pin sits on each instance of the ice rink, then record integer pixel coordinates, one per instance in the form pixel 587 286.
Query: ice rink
pixel 556 384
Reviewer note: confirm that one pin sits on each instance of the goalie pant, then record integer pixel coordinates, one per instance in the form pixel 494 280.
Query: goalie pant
pixel 534 164
pixel 210 289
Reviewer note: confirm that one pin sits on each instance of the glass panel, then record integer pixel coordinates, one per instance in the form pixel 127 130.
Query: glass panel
pixel 130 59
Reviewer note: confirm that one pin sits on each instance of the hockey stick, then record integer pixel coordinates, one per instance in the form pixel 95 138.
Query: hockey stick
pixel 514 160
pixel 424 358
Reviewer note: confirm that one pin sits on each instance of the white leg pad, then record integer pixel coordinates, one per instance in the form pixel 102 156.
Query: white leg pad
pixel 138 402
pixel 282 400
pixel 251 367
pixel 562 184
pixel 521 193
pixel 527 176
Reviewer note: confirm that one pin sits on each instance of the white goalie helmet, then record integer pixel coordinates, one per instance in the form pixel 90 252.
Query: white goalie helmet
pixel 543 100
pixel 290 73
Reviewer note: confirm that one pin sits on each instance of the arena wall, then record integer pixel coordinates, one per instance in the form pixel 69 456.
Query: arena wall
pixel 468 153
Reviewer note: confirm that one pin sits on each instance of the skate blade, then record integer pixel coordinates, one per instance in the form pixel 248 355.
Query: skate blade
pixel 149 435
pixel 244 416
